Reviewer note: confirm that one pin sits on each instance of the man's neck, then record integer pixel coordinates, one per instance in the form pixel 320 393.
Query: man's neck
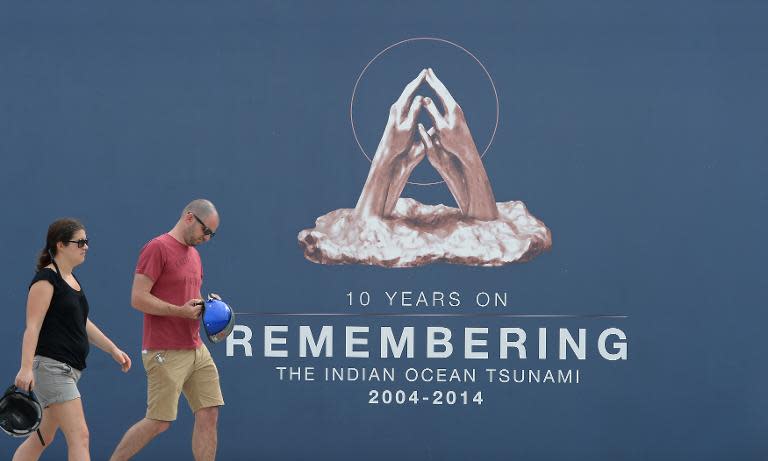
pixel 177 234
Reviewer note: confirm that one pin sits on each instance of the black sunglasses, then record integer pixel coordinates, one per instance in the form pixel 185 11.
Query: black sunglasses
pixel 206 230
pixel 80 243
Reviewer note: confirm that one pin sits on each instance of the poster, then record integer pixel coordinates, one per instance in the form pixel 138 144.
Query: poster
pixel 573 268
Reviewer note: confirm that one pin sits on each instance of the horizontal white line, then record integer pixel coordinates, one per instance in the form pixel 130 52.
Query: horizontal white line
pixel 463 314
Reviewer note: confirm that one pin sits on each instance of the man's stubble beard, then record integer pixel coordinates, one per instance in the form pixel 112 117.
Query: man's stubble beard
pixel 189 238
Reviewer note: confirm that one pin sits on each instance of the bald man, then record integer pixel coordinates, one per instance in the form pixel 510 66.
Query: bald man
pixel 166 288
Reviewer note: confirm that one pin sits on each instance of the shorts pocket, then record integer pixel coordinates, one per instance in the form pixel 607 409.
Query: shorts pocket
pixel 57 368
pixel 152 359
pixel 55 373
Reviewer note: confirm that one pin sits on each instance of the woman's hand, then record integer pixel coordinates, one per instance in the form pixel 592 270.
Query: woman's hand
pixel 25 379
pixel 122 359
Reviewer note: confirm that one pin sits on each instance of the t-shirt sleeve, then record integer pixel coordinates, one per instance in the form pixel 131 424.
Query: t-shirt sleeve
pixel 151 260
pixel 45 274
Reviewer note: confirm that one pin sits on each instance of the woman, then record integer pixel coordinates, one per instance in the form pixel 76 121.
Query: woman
pixel 56 342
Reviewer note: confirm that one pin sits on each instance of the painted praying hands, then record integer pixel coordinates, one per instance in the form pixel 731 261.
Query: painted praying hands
pixel 387 230
pixel 448 145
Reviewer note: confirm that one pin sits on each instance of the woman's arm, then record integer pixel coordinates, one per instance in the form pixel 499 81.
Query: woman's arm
pixel 38 302
pixel 100 340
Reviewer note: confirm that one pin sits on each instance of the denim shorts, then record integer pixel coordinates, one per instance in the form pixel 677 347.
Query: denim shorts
pixel 55 382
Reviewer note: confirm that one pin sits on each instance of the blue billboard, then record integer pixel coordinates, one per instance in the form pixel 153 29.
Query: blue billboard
pixel 448 230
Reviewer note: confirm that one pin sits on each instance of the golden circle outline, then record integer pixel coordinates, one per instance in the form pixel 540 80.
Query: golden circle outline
pixel 436 39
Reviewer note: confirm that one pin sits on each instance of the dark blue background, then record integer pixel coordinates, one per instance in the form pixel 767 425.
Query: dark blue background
pixel 634 130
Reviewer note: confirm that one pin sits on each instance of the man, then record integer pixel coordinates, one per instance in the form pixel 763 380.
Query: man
pixel 166 288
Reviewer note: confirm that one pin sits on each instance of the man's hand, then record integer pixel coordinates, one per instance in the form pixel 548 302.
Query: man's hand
pixel 191 309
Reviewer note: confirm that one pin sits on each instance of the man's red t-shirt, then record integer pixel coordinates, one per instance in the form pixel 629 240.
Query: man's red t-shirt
pixel 177 272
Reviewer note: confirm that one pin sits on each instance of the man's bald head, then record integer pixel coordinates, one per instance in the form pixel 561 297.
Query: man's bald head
pixel 201 207
pixel 198 222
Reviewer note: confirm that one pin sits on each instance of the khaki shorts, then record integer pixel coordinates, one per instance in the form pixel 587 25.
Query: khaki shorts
pixel 172 372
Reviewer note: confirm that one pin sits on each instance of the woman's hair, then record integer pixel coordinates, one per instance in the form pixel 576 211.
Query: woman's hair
pixel 60 230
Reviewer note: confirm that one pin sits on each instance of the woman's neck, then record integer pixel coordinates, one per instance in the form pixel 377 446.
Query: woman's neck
pixel 64 267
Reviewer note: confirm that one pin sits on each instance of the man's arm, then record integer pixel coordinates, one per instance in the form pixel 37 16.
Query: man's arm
pixel 146 302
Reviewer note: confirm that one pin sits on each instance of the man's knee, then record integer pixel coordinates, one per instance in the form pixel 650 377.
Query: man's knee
pixel 207 417
pixel 157 426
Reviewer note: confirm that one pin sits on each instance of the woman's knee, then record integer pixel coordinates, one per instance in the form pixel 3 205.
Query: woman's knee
pixel 31 448
pixel 48 438
pixel 78 434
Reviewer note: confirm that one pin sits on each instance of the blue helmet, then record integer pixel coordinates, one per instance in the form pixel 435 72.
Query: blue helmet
pixel 217 318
